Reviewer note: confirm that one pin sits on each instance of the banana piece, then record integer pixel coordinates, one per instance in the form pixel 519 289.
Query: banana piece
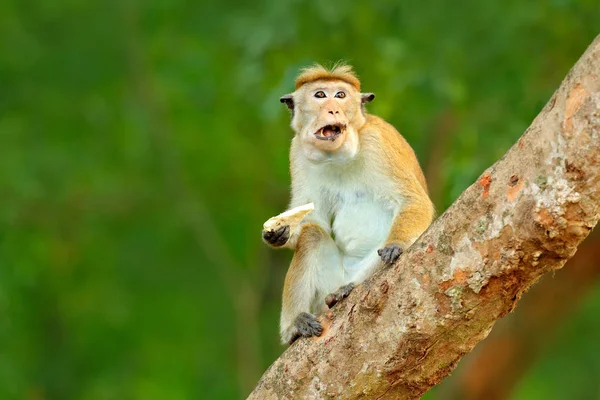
pixel 291 217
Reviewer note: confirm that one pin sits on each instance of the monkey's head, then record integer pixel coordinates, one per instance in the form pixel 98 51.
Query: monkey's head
pixel 327 111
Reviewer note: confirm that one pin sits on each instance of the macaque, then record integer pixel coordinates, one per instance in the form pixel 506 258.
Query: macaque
pixel 368 191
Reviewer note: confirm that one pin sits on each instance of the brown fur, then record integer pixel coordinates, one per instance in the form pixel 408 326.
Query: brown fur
pixel 310 237
pixel 295 298
pixel 401 162
pixel 318 72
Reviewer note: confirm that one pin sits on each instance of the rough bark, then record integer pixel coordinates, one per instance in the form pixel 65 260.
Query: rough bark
pixel 405 329
pixel 497 365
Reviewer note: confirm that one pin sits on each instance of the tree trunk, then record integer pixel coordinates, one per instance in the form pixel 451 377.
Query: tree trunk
pixel 406 328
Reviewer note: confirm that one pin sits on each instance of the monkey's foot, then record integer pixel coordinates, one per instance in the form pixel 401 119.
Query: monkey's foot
pixel 390 253
pixel 333 298
pixel 277 237
pixel 306 325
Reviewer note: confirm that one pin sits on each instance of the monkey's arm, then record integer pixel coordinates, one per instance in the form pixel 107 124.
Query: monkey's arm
pixel 416 211
pixel 284 229
pixel 414 218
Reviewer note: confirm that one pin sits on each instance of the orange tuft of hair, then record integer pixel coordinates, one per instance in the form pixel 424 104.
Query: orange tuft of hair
pixel 342 72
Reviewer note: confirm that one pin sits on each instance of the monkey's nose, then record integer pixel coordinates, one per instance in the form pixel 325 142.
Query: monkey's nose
pixel 331 112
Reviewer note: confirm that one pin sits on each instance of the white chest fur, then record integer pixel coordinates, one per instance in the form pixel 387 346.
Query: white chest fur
pixel 360 223
pixel 353 204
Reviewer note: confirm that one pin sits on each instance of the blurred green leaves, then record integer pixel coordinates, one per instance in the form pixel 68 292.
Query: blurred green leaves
pixel 142 145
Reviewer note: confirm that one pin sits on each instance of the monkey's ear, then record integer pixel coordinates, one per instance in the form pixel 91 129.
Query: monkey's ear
pixel 288 100
pixel 366 97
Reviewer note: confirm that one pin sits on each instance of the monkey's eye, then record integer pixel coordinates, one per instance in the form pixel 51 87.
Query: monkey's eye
pixel 340 95
pixel 320 94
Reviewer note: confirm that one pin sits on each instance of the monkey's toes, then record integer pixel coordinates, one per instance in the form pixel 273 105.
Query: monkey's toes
pixel 307 325
pixel 333 298
pixel 277 237
pixel 389 254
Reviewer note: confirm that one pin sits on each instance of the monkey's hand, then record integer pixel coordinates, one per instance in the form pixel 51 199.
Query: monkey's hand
pixel 277 237
pixel 333 298
pixel 277 230
pixel 305 325
pixel 390 253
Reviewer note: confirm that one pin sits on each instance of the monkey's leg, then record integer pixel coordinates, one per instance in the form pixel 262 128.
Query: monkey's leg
pixel 316 270
pixel 408 225
pixel 365 268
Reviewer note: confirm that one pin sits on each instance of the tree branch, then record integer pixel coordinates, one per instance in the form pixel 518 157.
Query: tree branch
pixel 497 365
pixel 405 329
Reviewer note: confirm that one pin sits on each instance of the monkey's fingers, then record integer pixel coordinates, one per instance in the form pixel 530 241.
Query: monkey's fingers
pixel 277 237
pixel 333 298
pixel 390 253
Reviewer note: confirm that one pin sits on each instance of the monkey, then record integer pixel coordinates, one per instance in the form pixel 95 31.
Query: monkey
pixel 370 196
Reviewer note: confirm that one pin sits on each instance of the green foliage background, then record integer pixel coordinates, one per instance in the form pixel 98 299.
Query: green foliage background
pixel 142 146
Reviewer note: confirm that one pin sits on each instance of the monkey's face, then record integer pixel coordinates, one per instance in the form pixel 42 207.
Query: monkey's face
pixel 326 116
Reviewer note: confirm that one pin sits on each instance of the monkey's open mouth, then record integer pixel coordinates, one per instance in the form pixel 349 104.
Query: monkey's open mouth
pixel 330 132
